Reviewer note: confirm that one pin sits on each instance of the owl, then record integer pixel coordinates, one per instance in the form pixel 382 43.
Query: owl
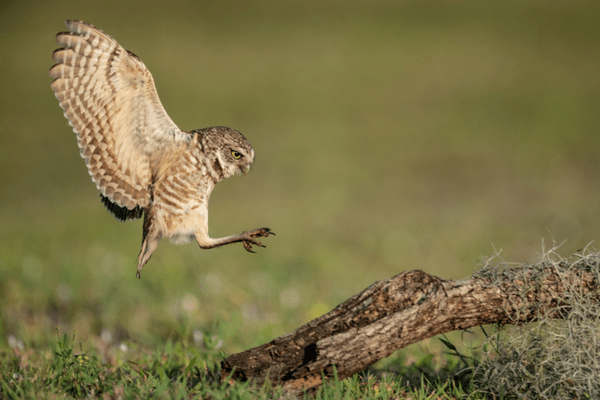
pixel 141 162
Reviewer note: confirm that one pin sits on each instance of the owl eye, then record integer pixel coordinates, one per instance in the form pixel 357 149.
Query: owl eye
pixel 236 155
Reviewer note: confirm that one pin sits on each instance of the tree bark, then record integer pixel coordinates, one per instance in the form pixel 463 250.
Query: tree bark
pixel 405 309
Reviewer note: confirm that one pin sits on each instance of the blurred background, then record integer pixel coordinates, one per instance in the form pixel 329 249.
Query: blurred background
pixel 389 136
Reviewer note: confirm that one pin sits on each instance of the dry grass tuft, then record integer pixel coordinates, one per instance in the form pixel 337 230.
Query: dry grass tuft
pixel 553 358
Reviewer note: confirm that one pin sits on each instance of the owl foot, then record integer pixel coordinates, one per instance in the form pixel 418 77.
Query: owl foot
pixel 249 238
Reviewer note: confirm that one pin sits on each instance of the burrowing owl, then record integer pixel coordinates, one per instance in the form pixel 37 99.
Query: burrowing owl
pixel 141 162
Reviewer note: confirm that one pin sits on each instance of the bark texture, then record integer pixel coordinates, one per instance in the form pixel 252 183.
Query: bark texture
pixel 402 310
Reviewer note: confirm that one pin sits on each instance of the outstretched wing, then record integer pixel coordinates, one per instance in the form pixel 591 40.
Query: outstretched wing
pixel 109 98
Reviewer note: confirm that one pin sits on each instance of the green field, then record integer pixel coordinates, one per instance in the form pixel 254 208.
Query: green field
pixel 389 136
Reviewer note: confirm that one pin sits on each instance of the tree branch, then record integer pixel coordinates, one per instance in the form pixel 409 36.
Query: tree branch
pixel 405 309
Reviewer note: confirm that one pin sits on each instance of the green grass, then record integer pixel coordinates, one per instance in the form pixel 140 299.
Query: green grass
pixel 389 136
pixel 188 369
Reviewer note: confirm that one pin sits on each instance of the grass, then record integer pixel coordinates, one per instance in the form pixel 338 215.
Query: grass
pixel 389 136
pixel 189 369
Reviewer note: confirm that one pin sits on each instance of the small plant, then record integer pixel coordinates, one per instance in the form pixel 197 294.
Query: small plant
pixel 76 375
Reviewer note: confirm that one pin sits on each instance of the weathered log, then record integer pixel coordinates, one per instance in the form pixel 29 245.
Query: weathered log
pixel 402 310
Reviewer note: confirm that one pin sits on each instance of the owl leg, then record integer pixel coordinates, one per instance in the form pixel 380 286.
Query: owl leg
pixel 148 246
pixel 151 236
pixel 247 238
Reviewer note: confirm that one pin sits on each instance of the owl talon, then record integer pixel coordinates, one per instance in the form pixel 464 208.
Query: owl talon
pixel 248 246
pixel 250 240
pixel 261 232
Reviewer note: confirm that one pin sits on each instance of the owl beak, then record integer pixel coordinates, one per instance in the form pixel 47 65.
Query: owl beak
pixel 246 169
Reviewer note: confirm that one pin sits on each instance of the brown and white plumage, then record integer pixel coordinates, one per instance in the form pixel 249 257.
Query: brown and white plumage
pixel 138 158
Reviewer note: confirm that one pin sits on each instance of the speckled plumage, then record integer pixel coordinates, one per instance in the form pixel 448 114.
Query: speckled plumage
pixel 141 162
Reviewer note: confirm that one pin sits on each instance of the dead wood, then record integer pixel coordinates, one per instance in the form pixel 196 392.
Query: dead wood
pixel 402 310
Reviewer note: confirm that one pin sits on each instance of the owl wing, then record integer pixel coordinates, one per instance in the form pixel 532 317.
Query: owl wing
pixel 108 96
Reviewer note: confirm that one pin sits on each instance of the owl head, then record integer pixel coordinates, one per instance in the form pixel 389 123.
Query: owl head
pixel 228 150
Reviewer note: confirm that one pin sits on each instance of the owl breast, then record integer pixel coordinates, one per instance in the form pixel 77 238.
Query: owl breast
pixel 180 202
pixel 183 227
